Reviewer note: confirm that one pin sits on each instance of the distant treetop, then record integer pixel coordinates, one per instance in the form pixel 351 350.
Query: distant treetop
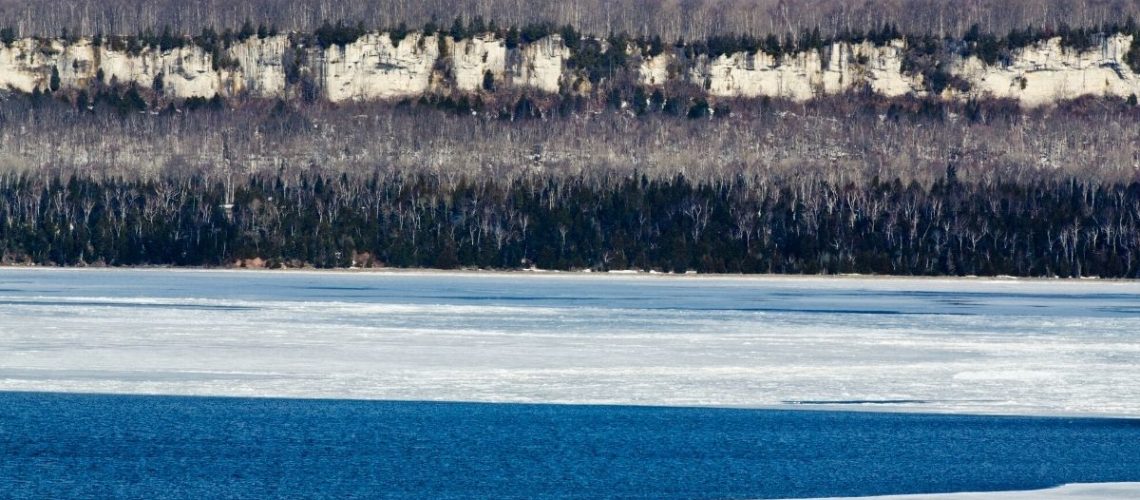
pixel 667 19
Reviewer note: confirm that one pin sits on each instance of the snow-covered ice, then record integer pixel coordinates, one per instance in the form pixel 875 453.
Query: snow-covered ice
pixel 1089 491
pixel 964 346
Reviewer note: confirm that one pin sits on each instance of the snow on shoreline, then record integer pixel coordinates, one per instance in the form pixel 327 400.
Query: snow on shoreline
pixel 524 273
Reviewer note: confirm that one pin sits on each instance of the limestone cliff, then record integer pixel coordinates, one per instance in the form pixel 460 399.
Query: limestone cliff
pixel 837 68
pixel 473 58
pixel 540 65
pixel 1047 72
pixel 376 67
pixel 260 63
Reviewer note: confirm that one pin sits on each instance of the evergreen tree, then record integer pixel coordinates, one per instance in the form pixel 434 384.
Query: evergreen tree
pixel 54 81
pixel 488 81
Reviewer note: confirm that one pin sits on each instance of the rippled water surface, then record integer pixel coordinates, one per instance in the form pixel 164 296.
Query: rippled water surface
pixel 100 446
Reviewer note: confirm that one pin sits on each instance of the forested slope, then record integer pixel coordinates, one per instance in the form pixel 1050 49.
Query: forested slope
pixel 608 167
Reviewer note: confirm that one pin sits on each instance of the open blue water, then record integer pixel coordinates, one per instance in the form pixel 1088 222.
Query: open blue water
pixel 98 446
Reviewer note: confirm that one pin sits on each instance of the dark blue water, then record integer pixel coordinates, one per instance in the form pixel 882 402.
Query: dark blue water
pixel 63 445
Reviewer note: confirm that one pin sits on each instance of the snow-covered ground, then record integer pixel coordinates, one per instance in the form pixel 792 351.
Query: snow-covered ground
pixel 963 346
pixel 1094 491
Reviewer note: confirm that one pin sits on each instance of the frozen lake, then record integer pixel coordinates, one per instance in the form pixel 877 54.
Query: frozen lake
pixel 962 346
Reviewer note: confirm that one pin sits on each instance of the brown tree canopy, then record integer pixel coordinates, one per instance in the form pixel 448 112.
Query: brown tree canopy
pixel 670 19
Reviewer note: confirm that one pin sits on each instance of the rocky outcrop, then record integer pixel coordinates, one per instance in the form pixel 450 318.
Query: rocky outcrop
pixel 373 67
pixel 1040 74
pixel 376 67
pixel 182 72
pixel 25 65
pixel 541 64
pixel 1047 72
pixel 261 69
pixel 837 68
pixel 474 57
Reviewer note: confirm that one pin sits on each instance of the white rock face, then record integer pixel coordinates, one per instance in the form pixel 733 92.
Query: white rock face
pixel 375 68
pixel 474 57
pixel 654 71
pixel 262 68
pixel 752 75
pixel 1042 74
pixel 540 64
pixel 26 64
pixel 186 72
pixel 882 69
pixel 1046 72
pixel 77 63
pixel 835 69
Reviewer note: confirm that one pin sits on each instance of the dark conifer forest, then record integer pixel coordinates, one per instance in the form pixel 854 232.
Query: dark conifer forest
pixel 738 225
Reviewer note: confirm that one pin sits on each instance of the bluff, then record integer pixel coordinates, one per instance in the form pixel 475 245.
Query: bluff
pixel 382 66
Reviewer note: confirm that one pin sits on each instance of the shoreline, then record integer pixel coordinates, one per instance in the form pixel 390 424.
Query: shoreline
pixel 471 272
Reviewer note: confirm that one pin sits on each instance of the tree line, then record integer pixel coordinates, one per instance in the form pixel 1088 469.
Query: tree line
pixel 1063 228
pixel 669 19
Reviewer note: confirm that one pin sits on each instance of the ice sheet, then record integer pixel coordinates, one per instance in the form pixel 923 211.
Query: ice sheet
pixel 966 346
pixel 1091 491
